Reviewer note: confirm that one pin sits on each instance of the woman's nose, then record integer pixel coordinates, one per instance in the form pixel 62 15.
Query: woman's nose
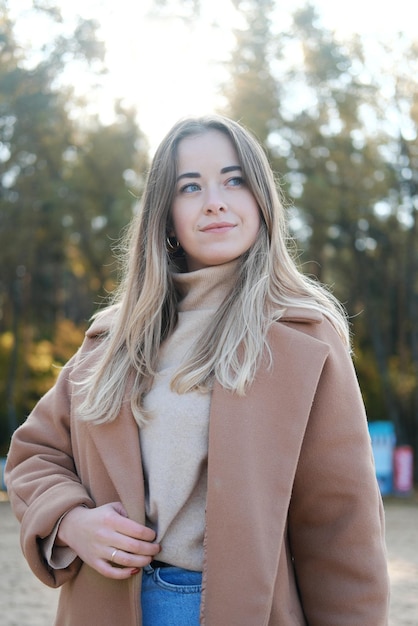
pixel 215 203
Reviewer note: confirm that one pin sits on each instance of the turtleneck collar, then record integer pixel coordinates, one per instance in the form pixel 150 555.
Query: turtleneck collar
pixel 205 288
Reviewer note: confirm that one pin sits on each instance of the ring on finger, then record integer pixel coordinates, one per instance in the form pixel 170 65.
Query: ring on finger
pixel 112 558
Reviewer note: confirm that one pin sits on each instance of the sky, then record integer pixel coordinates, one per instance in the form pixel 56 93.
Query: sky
pixel 167 68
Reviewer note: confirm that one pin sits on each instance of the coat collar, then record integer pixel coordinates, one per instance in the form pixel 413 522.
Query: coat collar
pixel 103 319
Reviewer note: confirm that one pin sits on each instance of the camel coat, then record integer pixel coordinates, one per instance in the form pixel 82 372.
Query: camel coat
pixel 294 530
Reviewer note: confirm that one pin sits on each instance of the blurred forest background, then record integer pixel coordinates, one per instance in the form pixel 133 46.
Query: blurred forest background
pixel 340 132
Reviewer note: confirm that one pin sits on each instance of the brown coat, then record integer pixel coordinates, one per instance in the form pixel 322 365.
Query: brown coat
pixel 295 531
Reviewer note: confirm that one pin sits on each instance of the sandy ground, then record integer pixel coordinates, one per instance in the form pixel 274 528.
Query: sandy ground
pixel 24 601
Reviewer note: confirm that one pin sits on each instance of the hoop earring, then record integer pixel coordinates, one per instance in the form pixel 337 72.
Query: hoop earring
pixel 172 244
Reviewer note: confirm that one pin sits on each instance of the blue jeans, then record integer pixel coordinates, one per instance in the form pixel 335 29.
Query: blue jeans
pixel 170 596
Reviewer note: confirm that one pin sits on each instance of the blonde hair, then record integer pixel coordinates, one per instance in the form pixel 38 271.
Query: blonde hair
pixel 230 349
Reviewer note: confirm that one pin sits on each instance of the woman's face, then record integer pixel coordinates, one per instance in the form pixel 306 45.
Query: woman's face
pixel 215 216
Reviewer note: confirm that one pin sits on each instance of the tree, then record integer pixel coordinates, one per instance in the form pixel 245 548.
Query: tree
pixel 252 92
pixel 101 185
pixel 67 191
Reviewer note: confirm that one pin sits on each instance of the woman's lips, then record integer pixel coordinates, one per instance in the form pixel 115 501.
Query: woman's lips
pixel 217 227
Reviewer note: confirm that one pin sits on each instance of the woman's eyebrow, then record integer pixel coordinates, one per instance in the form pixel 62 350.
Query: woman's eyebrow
pixel 224 170
pixel 231 168
pixel 189 175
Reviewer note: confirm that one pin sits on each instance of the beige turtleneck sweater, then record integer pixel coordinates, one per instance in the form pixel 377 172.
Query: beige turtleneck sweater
pixel 174 441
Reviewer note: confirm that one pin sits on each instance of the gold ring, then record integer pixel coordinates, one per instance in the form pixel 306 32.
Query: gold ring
pixel 113 555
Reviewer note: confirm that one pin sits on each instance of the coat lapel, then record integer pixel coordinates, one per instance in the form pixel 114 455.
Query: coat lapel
pixel 253 453
pixel 117 444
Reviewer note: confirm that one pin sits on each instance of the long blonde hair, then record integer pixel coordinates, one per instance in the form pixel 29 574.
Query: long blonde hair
pixel 230 349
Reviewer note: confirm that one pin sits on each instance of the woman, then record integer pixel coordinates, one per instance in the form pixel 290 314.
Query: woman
pixel 253 464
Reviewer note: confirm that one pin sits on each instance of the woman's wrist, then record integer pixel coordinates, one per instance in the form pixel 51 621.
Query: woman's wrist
pixel 64 529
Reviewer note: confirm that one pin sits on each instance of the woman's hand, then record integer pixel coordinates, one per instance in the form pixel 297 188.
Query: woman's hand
pixel 107 540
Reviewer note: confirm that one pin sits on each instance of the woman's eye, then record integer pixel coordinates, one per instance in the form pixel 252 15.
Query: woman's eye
pixel 236 181
pixel 190 188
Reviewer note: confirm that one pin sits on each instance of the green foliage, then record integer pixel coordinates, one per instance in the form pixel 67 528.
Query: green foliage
pixel 67 192
pixel 38 363
pixel 252 92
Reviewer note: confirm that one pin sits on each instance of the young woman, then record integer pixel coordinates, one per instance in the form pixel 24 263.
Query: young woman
pixel 205 458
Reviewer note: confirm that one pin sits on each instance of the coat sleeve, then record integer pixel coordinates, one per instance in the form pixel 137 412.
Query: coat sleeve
pixel 41 476
pixel 336 522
